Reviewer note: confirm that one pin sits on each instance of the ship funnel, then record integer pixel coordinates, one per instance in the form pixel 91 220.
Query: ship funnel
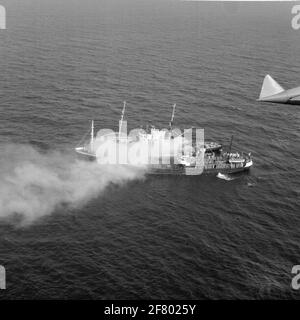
pixel 269 88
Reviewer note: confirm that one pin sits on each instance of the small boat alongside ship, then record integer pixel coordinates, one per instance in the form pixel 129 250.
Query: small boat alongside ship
pixel 208 158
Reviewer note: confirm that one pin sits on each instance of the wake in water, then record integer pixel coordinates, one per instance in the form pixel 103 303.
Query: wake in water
pixel 224 177
pixel 34 184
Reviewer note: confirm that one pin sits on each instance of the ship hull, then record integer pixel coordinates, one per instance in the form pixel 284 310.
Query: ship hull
pixel 183 171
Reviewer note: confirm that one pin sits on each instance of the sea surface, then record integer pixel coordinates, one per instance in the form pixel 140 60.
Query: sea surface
pixel 64 63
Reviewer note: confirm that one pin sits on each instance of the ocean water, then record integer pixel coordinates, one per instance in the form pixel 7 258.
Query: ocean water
pixel 66 62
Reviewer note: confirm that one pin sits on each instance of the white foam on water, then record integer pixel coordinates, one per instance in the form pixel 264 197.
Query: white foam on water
pixel 224 177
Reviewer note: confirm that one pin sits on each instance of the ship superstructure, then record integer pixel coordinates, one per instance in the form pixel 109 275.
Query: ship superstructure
pixel 207 157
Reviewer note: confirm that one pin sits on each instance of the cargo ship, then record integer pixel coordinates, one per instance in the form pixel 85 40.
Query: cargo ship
pixel 207 157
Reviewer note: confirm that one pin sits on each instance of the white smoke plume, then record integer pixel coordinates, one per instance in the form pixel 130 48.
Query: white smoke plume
pixel 34 184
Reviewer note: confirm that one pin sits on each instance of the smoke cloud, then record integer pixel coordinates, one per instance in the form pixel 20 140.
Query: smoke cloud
pixel 33 184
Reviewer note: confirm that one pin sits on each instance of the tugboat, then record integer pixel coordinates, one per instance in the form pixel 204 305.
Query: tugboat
pixel 208 158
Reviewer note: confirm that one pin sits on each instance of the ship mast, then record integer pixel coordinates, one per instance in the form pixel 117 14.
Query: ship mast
pixel 230 148
pixel 122 118
pixel 92 136
pixel 173 115
pixel 231 144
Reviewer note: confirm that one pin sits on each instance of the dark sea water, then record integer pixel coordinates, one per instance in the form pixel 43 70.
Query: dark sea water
pixel 66 62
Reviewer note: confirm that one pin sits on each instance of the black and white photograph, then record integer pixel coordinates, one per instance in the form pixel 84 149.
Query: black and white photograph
pixel 149 152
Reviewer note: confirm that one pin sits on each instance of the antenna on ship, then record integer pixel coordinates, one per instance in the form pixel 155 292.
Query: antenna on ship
pixel 92 136
pixel 173 115
pixel 122 118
